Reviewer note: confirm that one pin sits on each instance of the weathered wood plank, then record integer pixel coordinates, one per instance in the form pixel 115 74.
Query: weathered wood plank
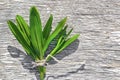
pixel 98 22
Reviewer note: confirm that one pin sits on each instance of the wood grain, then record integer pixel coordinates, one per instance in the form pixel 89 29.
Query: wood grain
pixel 98 22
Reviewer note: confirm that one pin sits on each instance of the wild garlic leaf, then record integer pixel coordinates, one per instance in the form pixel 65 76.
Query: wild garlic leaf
pixel 24 28
pixel 36 32
pixel 47 28
pixel 55 33
pixel 17 33
pixel 35 40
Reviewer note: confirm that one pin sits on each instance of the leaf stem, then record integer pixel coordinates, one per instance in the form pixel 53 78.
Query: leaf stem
pixel 42 71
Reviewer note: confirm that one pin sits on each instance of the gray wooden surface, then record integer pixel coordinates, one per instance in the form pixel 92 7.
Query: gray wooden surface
pixel 98 22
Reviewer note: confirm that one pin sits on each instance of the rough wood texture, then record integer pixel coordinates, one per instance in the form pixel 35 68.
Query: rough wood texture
pixel 98 22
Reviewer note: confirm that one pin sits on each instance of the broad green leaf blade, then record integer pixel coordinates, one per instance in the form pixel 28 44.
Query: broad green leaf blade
pixel 36 31
pixel 48 27
pixel 16 32
pixel 60 40
pixel 61 34
pixel 24 28
pixel 68 42
pixel 62 46
pixel 55 32
pixel 59 43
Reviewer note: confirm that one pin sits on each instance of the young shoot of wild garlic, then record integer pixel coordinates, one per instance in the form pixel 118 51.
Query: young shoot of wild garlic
pixel 35 38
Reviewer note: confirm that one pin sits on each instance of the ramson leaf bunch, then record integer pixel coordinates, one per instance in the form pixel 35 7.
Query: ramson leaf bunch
pixel 35 38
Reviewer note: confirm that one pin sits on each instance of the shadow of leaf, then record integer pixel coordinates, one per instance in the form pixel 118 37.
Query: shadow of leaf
pixel 68 73
pixel 26 60
pixel 66 52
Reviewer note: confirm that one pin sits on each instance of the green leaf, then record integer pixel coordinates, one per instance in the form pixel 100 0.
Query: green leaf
pixel 68 42
pixel 69 32
pixel 24 28
pixel 36 31
pixel 62 44
pixel 55 32
pixel 60 34
pixel 17 33
pixel 48 27
pixel 59 43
